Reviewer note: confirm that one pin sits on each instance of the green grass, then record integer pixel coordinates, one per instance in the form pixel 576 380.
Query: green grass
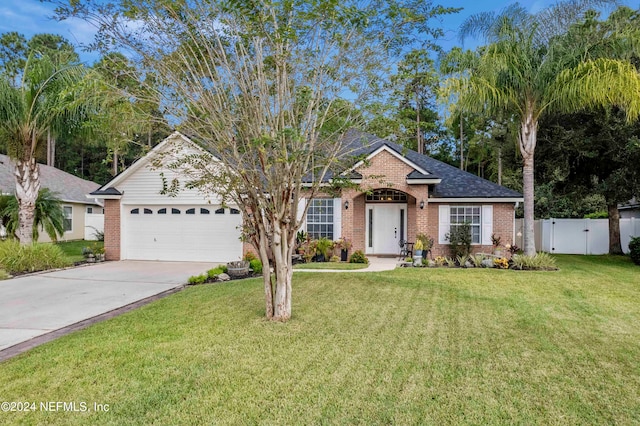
pixel 331 265
pixel 73 249
pixel 410 346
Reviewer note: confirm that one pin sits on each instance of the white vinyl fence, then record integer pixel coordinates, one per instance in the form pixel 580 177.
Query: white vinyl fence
pixel 579 236
pixel 93 223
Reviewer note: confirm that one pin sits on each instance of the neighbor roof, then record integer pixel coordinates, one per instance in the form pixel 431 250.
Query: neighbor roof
pixel 67 187
pixel 455 183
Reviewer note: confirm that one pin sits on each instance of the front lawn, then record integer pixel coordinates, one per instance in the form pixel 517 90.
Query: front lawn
pixel 331 265
pixel 410 346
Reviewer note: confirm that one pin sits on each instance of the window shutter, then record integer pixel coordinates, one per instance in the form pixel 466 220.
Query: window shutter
pixel 487 225
pixel 337 218
pixel 443 224
pixel 302 203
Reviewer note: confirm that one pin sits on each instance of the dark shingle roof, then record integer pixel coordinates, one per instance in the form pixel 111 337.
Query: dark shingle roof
pixel 455 183
pixel 108 191
pixel 66 186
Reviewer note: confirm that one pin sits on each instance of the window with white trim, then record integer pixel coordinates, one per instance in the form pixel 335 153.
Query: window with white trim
pixel 320 218
pixel 68 218
pixel 460 215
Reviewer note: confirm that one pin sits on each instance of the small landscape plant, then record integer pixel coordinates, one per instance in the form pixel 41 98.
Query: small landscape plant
pixel 323 246
pixel 440 260
pixel 213 273
pixel 495 240
pixel 541 261
pixel 477 259
pixel 249 256
pixel 427 241
pixel 501 263
pixel 408 259
pixel 334 259
pixel 16 258
pixel 634 250
pixel 460 239
pixel 451 263
pixel 3 274
pixel 256 265
pixel 358 257
pixel 462 260
pixel 197 279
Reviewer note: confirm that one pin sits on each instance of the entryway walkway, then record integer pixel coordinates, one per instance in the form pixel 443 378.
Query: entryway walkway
pixel 376 264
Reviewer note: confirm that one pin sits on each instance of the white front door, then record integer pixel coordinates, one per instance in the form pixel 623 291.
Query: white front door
pixel 386 226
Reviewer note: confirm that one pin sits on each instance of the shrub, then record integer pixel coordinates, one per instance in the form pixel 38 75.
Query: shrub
pixel 223 268
pixel 249 256
pixel 634 250
pixel 477 259
pixel 603 214
pixel 323 246
pixel 460 239
pixel 212 273
pixel 256 265
pixel 16 258
pixel 501 263
pixel 408 259
pixel 440 260
pixel 462 260
pixel 540 261
pixel 334 259
pixel 427 241
pixel 450 262
pixel 197 279
pixel 358 257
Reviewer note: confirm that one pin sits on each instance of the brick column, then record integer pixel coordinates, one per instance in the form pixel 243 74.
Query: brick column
pixel 112 229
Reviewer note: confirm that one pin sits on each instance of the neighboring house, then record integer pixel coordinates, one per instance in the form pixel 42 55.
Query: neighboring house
pixel 402 193
pixel 81 213
pixel 629 209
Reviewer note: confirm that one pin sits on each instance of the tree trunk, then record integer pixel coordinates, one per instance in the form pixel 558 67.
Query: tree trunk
pixel 27 176
pixel 283 268
pixel 461 144
pixel 499 165
pixel 615 246
pixel 418 133
pixel 115 162
pixel 527 139
pixel 266 276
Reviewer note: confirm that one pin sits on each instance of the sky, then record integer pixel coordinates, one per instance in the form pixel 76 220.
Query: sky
pixel 31 16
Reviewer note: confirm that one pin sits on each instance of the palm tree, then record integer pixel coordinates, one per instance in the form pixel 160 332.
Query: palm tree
pixel 48 215
pixel 29 109
pixel 527 70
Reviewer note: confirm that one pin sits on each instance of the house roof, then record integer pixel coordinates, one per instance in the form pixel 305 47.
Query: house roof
pixel 455 183
pixel 67 187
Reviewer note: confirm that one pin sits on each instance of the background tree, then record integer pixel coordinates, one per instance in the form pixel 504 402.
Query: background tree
pixel 526 71
pixel 256 83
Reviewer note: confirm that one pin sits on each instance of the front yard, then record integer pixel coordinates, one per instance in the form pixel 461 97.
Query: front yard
pixel 411 346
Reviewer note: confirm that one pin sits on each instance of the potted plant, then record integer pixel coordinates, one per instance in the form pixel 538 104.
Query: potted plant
pixel 322 249
pixel 343 245
pixel 418 247
pixel 495 240
pixel 427 243
pixel 238 268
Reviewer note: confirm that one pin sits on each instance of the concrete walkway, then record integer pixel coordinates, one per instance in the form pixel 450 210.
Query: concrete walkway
pixel 376 264
pixel 40 305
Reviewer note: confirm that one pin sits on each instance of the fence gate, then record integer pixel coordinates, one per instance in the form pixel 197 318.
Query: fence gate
pixel 575 236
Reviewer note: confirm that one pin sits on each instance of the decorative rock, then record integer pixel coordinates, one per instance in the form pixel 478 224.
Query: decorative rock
pixel 487 263
pixel 223 277
pixel 468 264
pixel 431 263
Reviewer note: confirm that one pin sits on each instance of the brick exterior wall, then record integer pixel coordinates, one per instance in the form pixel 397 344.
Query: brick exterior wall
pixel 503 220
pixel 387 171
pixel 112 229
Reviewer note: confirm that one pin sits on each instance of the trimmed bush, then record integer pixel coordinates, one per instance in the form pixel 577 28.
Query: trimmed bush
pixel 212 273
pixel 197 279
pixel 540 262
pixel 256 265
pixel 358 257
pixel 16 258
pixel 634 250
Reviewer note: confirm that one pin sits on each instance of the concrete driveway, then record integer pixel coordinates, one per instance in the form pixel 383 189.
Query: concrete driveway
pixel 38 304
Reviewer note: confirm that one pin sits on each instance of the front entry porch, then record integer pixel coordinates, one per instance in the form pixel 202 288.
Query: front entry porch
pixel 386 226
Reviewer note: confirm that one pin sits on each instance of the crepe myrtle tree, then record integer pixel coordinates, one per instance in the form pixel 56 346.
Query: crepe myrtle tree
pixel 528 69
pixel 256 82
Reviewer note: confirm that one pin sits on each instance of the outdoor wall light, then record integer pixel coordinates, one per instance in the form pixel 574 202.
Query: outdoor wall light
pixel 421 204
pixel 346 205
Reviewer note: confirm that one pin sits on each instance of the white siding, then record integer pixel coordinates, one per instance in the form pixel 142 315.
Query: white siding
pixel 143 186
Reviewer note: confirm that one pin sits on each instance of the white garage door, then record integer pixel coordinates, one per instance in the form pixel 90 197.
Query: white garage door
pixel 183 233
